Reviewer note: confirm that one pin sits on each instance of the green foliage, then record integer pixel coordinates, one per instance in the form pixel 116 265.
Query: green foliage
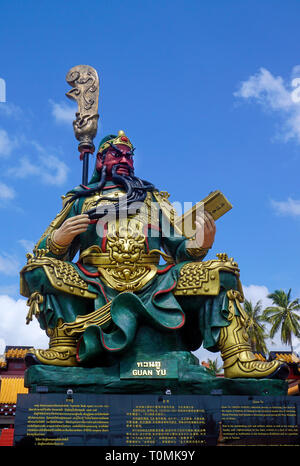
pixel 256 331
pixel 283 316
pixel 214 368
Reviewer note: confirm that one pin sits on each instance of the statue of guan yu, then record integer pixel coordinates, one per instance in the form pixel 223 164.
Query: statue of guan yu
pixel 140 288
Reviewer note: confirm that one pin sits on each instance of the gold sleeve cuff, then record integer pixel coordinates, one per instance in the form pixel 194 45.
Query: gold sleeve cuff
pixel 54 247
pixel 196 251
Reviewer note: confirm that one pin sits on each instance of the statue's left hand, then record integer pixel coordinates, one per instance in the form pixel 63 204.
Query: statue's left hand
pixel 205 230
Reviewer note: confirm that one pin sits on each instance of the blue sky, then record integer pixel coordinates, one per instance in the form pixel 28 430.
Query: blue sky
pixel 204 89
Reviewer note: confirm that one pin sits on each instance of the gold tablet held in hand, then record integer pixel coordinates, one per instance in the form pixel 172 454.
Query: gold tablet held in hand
pixel 215 203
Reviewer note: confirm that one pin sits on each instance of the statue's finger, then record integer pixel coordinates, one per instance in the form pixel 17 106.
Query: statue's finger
pixel 200 215
pixel 210 221
pixel 208 214
pixel 79 227
pixel 80 221
pixel 200 221
pixel 78 218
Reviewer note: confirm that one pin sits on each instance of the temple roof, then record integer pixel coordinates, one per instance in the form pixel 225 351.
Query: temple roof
pixel 260 356
pixel 10 387
pixel 286 356
pixel 16 352
pixel 2 362
pixel 13 352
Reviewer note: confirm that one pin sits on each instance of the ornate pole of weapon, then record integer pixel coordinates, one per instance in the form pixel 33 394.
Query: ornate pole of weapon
pixel 85 83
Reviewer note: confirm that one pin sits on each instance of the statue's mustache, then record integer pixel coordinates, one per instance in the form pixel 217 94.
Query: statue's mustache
pixel 123 165
pixel 135 188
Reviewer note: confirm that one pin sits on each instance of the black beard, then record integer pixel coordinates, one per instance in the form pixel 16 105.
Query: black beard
pixel 135 192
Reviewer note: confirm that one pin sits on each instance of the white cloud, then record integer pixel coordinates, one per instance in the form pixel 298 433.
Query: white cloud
pixel 62 112
pixel 5 144
pixel 255 293
pixel 6 192
pixel 296 345
pixel 11 110
pixel 13 328
pixel 11 290
pixel 289 207
pixel 48 168
pixel 9 265
pixel 54 170
pixel 267 89
pixel 45 166
pixel 27 245
pixel 276 95
pixel 24 168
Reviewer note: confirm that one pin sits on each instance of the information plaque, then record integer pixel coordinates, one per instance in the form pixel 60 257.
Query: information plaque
pixel 151 420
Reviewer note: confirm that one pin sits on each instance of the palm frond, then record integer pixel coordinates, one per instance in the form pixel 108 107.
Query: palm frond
pixel 256 329
pixel 283 315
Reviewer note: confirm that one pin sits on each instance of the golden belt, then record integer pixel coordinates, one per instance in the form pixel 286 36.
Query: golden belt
pixel 104 260
pixel 128 273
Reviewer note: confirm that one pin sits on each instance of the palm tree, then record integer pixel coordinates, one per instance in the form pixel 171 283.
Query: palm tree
pixel 283 316
pixel 256 330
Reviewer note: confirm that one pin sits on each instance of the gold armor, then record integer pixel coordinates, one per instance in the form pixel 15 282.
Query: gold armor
pixel 61 275
pixel 239 360
pixel 202 278
pixel 62 348
pixel 125 266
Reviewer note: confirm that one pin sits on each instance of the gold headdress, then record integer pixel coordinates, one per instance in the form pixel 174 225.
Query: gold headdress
pixel 109 140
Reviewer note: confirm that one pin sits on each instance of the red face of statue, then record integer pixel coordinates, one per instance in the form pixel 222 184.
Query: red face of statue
pixel 113 157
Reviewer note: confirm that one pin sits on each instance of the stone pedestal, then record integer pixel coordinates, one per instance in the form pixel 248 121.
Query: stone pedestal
pixel 176 371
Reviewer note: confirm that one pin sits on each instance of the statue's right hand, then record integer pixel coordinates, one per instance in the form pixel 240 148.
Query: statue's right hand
pixel 71 227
